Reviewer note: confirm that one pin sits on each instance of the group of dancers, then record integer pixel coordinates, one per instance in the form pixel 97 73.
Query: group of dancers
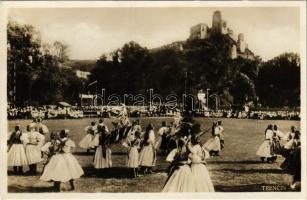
pixel 29 148
pixel 288 145
pixel 180 142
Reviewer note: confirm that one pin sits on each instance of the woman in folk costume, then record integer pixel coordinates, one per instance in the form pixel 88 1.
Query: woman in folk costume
pixel 63 166
pixel 180 177
pixel 213 145
pixel 265 150
pixel 200 172
pixel 133 147
pixel 40 127
pixel 86 142
pixel 17 156
pixel 148 152
pixel 103 155
pixel 34 142
pixel 50 148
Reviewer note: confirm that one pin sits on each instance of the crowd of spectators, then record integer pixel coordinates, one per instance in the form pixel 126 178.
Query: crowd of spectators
pixel 74 112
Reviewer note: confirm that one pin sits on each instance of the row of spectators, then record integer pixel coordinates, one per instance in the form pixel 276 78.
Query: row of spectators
pixel 60 112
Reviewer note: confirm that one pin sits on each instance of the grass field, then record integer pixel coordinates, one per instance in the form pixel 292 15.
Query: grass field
pixel 237 170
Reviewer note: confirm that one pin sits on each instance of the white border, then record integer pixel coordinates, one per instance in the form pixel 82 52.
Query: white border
pixel 4 6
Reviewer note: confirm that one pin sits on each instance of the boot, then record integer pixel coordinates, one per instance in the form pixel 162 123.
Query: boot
pixel 72 186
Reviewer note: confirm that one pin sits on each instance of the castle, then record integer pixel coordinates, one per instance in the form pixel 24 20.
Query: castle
pixel 219 26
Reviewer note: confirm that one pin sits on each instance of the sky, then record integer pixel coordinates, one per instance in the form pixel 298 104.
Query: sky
pixel 91 32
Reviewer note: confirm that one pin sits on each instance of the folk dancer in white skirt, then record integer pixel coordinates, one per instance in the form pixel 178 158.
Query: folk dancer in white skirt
pixel 201 176
pixel 103 155
pixel 180 177
pixel 16 155
pixel 265 150
pixel 213 145
pixel 50 148
pixel 63 166
pixel 133 147
pixel 148 151
pixel 87 140
pixel 34 142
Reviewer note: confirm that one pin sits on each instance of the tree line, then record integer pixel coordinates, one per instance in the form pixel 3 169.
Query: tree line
pixel 41 76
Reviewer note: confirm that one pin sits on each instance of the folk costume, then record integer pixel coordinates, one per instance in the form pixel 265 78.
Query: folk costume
pixel 103 154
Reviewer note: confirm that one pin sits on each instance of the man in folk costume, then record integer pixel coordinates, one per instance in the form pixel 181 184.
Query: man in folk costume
pixel 102 124
pixel 221 131
pixel 33 144
pixel 162 141
pixel 40 127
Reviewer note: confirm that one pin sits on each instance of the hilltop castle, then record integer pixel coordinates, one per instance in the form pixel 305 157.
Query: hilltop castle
pixel 219 26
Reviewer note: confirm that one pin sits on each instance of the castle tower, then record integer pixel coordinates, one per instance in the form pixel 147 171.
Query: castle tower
pixel 224 27
pixel 233 52
pixel 217 22
pixel 241 43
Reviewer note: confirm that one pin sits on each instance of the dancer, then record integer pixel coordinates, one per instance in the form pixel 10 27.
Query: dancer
pixel 33 144
pixel 17 156
pixel 86 142
pixel 50 148
pixel 221 134
pixel 103 155
pixel 62 166
pixel 180 178
pixel 133 153
pixel 213 145
pixel 265 150
pixel 292 163
pixel 162 141
pixel 148 152
pixel 200 173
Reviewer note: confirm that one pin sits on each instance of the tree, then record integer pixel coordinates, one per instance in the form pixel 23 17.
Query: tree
pixel 278 82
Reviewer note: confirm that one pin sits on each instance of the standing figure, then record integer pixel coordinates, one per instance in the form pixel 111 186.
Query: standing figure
pixel 221 134
pixel 162 141
pixel 213 145
pixel 180 178
pixel 103 155
pixel 200 172
pixel 33 144
pixel 133 153
pixel 17 156
pixel 148 151
pixel 292 163
pixel 265 150
pixel 63 166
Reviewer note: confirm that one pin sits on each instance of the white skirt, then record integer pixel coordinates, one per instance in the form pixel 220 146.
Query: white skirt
pixel 34 154
pixel 95 141
pixel 17 156
pixel 86 141
pixel 147 156
pixel 213 144
pixel 133 158
pixel 62 167
pixel 99 161
pixel 264 150
pixel 202 178
pixel 180 181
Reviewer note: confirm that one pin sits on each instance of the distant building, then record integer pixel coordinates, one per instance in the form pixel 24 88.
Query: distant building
pixel 82 74
pixel 199 31
pixel 239 48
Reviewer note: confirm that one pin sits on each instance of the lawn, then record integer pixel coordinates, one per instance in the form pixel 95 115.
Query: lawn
pixel 238 169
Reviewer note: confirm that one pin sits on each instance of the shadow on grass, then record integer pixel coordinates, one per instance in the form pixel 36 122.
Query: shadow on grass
pixel 114 172
pixel 235 162
pixel 253 188
pixel 24 189
pixel 251 171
